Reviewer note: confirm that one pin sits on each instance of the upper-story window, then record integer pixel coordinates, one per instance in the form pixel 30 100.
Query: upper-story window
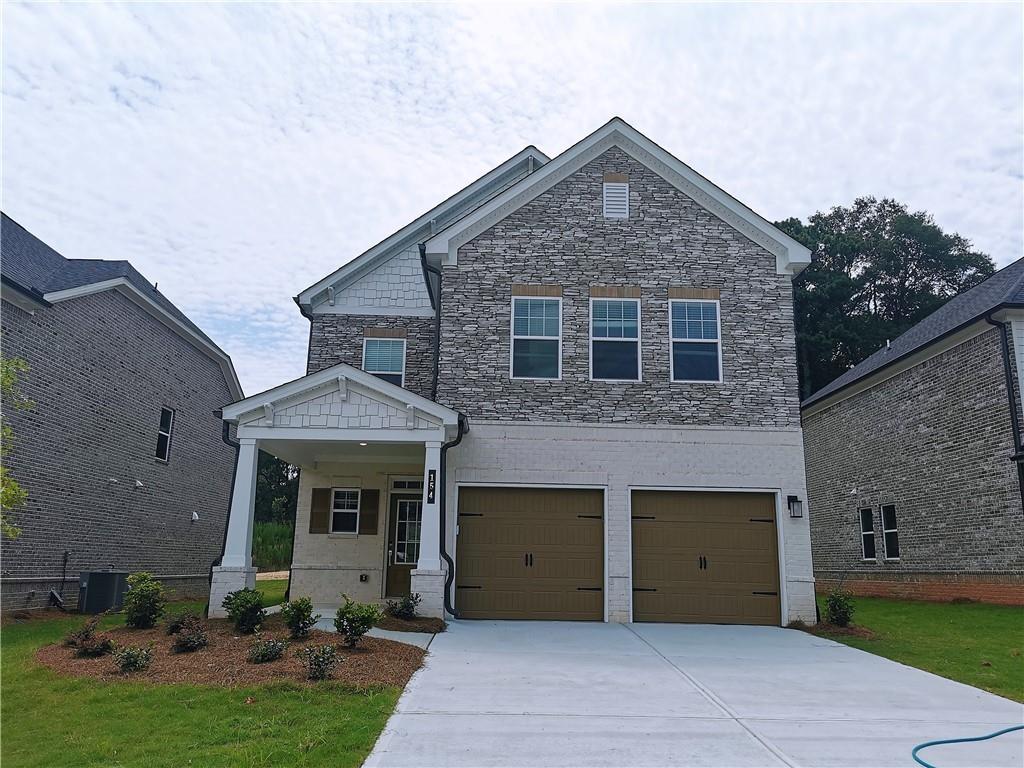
pixel 696 341
pixel 163 435
pixel 615 339
pixel 536 338
pixel 385 359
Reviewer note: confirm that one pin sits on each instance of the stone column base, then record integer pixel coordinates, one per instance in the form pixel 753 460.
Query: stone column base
pixel 429 585
pixel 228 579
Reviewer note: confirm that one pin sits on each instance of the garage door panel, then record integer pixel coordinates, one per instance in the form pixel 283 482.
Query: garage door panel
pixel 530 553
pixel 734 534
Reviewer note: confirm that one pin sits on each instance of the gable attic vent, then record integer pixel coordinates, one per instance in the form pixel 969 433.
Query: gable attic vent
pixel 616 196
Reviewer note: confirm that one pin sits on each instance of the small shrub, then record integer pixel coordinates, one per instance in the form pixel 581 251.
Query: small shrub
pixel 133 659
pixel 319 661
pixel 94 647
pixel 177 623
pixel 839 608
pixel 144 602
pixel 191 636
pixel 84 633
pixel 298 615
pixel 245 609
pixel 355 619
pixel 405 607
pixel 267 649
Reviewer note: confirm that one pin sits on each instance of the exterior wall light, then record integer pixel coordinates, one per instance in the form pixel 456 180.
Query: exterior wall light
pixel 796 506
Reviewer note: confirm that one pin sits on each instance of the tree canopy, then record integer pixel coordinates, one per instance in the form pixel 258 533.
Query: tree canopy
pixel 877 270
pixel 277 488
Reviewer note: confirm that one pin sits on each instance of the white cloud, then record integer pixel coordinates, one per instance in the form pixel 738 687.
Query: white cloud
pixel 238 153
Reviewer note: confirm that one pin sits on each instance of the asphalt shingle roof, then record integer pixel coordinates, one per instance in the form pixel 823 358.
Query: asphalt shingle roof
pixel 31 263
pixel 1004 288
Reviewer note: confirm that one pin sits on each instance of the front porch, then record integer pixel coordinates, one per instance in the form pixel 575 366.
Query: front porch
pixel 368 521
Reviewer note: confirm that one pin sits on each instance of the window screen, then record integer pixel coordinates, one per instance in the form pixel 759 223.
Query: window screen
pixel 385 358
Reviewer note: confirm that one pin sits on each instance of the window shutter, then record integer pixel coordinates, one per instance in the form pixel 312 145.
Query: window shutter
pixel 369 505
pixel 616 200
pixel 320 511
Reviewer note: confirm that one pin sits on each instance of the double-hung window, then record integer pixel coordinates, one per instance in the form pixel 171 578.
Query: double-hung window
pixel 867 533
pixel 615 339
pixel 385 359
pixel 345 510
pixel 163 435
pixel 536 338
pixel 890 536
pixel 696 341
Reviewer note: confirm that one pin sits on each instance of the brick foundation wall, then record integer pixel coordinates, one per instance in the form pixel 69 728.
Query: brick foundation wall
pixel 936 587
pixel 100 369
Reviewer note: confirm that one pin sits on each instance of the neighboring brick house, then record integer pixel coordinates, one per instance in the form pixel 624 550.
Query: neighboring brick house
pixel 121 452
pixel 914 457
pixel 609 429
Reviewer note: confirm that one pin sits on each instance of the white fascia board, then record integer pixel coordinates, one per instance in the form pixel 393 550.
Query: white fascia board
pixel 790 256
pixel 330 377
pixel 123 286
pixel 366 261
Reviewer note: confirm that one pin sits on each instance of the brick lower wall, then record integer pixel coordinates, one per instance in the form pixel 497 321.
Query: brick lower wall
pixel 999 589
pixel 29 595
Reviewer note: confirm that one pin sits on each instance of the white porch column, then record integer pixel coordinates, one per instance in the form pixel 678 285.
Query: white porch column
pixel 235 570
pixel 428 576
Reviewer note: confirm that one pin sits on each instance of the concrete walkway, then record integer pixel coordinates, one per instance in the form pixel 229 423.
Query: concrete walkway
pixel 565 694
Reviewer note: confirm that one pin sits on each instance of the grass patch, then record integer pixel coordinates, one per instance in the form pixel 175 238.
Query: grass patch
pixel 272 546
pixel 54 721
pixel 973 643
pixel 273 591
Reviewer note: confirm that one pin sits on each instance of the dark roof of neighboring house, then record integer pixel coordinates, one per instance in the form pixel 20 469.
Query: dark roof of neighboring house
pixel 33 265
pixel 1003 289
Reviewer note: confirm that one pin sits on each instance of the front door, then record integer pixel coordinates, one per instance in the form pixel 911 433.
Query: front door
pixel 403 543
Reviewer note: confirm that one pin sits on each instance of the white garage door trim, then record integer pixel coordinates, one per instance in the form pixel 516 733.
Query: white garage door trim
pixel 576 486
pixel 779 525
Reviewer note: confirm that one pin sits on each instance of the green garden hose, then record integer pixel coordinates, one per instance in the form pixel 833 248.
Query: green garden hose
pixel 919 747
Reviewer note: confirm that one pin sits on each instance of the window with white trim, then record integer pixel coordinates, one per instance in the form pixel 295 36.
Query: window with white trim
pixel 615 339
pixel 385 359
pixel 696 341
pixel 616 200
pixel 345 510
pixel 890 535
pixel 536 338
pixel 163 434
pixel 867 533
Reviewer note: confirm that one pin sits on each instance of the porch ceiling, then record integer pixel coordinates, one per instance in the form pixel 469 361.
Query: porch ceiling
pixel 304 453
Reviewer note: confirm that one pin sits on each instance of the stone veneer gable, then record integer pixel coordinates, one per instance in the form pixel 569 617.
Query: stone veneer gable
pixel 562 238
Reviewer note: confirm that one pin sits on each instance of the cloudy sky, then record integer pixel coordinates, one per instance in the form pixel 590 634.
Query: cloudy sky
pixel 237 153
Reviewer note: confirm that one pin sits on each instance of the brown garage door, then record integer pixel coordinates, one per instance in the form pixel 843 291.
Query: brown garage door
pixel 705 557
pixel 530 553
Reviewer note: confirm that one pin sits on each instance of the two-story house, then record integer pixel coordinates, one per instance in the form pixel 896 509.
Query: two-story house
pixel 120 454
pixel 567 392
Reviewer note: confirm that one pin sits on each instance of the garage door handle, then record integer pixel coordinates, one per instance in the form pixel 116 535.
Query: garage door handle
pixel 467 586
pixel 644 589
pixel 773 594
pixel 588 589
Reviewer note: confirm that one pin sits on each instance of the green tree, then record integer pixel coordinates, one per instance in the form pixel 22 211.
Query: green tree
pixel 12 495
pixel 877 270
pixel 277 489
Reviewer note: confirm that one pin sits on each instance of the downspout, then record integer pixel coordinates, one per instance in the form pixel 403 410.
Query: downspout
pixel 225 435
pixel 435 300
pixel 1018 453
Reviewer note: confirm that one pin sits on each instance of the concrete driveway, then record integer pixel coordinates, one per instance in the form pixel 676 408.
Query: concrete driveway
pixel 566 694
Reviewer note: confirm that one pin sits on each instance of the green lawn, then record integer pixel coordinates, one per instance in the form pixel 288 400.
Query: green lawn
pixel 273 590
pixel 53 721
pixel 974 643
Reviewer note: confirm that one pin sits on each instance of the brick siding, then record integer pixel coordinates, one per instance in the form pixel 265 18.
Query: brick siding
pixel 935 440
pixel 100 370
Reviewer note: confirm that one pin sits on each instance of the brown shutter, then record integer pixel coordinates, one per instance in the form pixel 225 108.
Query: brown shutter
pixel 320 511
pixel 369 504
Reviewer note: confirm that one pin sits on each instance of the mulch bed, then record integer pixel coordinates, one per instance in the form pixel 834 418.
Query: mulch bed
pixel 418 624
pixel 375 662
